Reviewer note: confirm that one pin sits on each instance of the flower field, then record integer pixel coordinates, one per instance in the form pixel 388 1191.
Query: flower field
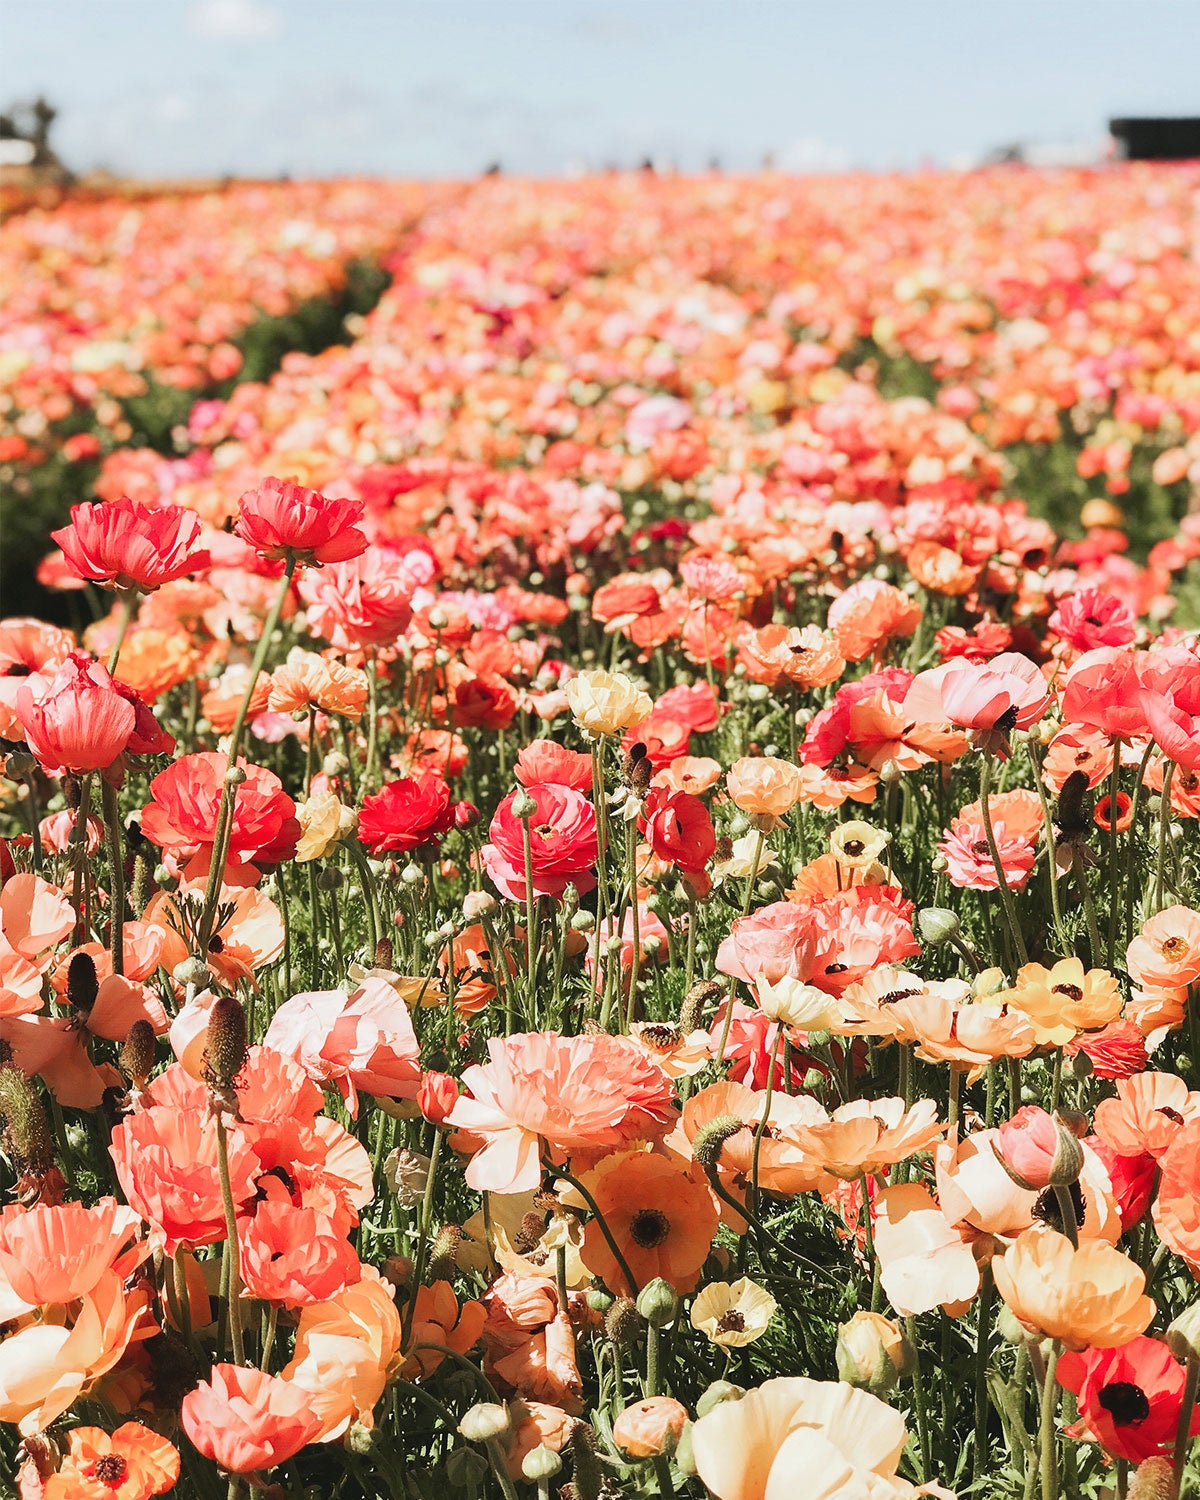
pixel 599 889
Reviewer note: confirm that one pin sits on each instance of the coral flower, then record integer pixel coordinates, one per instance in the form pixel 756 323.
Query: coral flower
pixel 364 602
pixel 791 1435
pixel 406 814
pixel 1148 1113
pixel 294 1256
pixel 182 813
pixel 1129 1397
pixel 79 721
pixel 563 843
pixel 868 1136
pixel 56 1254
pixel 246 1421
pixel 662 1221
pixel 307 681
pixel 1177 1204
pixel 580 1093
pixel 1165 955
pixel 650 1427
pixel 27 647
pixel 438 1319
pixel 777 941
pixel 132 546
pixel 279 519
pixel 1092 1295
pixel 868 615
pixel 133 1463
pixel 545 760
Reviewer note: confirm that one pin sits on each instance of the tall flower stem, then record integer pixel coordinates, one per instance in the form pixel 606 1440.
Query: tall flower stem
pixel 1183 1438
pixel 1006 900
pixel 1047 1433
pixel 635 962
pixel 234 1286
pixel 1051 853
pixel 423 1234
pixel 1164 829
pixel 1114 873
pixel 116 859
pixel 129 604
pixel 982 1338
pixel 374 930
pixel 229 789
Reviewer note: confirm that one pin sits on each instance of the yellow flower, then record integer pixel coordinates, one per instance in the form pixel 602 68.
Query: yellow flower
pixel 856 845
pixel 606 702
pixel 1064 1000
pixel 733 1315
pixel 1091 1296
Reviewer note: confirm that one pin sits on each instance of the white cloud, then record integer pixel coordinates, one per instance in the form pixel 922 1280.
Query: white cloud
pixel 812 154
pixel 234 20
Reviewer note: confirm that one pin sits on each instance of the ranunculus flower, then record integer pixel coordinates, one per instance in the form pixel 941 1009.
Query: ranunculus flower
pixel 129 545
pixel 606 702
pixel 185 798
pixel 650 1427
pixel 246 1421
pixel 406 814
pixel 1092 1295
pixel 563 843
pixel 774 942
pixel 279 518
pixel 79 721
pixel 1129 1397
pixel 678 828
pixel 294 1256
pixel 763 786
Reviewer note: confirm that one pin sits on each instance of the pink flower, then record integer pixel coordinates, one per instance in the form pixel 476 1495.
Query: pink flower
pixel 278 519
pixel 563 843
pixel 1008 691
pixel 129 545
pixel 775 942
pixel 78 722
pixel 578 1093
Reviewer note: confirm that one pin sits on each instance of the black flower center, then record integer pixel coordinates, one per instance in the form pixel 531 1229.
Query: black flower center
pixel 1126 1403
pixel 731 1322
pixel 111 1470
pixel 1072 991
pixel 649 1228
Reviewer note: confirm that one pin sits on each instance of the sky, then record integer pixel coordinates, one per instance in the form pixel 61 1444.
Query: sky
pixel 438 88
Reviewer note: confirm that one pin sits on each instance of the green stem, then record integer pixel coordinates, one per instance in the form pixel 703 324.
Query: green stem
pixel 982 1337
pixel 1048 1434
pixel 1164 829
pixel 1006 900
pixel 116 859
pixel 129 604
pixel 234 1288
pixel 631 861
pixel 1183 1439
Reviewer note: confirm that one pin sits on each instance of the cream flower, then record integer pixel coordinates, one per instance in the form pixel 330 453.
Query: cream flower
pixel 324 822
pixel 733 1314
pixel 796 1004
pixel 606 702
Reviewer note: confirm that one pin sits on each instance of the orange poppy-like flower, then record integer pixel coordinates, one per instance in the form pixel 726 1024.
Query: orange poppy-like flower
pixel 153 661
pixel 650 1427
pixel 56 1254
pixel 1148 1114
pixel 220 704
pixel 245 1420
pixel 1091 1296
pixel 1063 1000
pixel 826 876
pixel 131 1463
pixel 694 774
pixel 438 1319
pixel 868 1135
pixel 308 680
pixel 347 1349
pixel 249 934
pixel 827 787
pixel 940 569
pixel 1177 1204
pixel 1075 748
pixel 868 615
pixel 1165 955
pixel 660 1219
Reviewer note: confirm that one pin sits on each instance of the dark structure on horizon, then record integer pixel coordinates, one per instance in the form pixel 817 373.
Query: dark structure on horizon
pixel 1148 139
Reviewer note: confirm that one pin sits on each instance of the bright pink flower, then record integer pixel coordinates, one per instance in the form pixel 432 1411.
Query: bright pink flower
pixel 1008 692
pixel 130 545
pixel 1091 618
pixel 563 843
pixel 246 1421
pixel 279 518
pixel 182 813
pixel 366 601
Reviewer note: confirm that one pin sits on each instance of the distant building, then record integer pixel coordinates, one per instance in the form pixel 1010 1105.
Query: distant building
pixel 1148 139
pixel 25 149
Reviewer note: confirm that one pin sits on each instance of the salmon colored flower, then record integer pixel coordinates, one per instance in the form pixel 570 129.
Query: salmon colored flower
pixel 27 648
pixel 77 721
pixel 1177 1203
pixel 152 662
pixel 56 1254
pixel 545 760
pixel 581 1093
pixel 247 1421
pixel 132 1463
pixel 868 615
pixel 763 787
pixel 131 546
pixel 307 680
pixel 1148 1113
pixel 1063 1000
pixel 1092 1295
pixel 293 1256
pixel 650 1427
pixel 1165 954
pixel 279 519
pixel 661 1220
pixel 362 602
pixel 868 1136
pixel 182 813
pixel 438 1319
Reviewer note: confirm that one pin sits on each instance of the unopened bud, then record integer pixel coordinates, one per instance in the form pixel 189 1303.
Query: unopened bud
pixel 465 1469
pixel 485 1422
pixel 443 1254
pixel 137 1053
pixel 235 776
pixel 1154 1479
pixel 658 1303
pixel 82 983
pixel 1183 1336
pixel 477 904
pixel 582 921
pixel 710 1139
pixel 540 1464
pixel 412 874
pixel 938 925
pixel 621 1322
pixel 192 971
pixel 225 1048
pixel 872 1353
pixel 335 764
pixel 523 805
pixel 717 1394
pixel 140 887
pixel 331 879
pixel 383 953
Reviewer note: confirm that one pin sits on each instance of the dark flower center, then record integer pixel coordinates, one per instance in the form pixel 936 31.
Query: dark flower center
pixel 649 1228
pixel 1047 1210
pixel 111 1470
pixel 731 1322
pixel 1072 991
pixel 19 669
pixel 660 1034
pixel 1171 1114
pixel 1126 1403
pixel 854 847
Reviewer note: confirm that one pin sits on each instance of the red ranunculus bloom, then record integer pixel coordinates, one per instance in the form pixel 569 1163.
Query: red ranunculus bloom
pixel 405 814
pixel 182 813
pixel 563 843
pixel 79 721
pixel 279 518
pixel 1129 1397
pixel 132 546
pixel 678 828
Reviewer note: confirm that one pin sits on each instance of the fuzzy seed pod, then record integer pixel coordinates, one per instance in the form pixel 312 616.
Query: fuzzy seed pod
pixel 137 1053
pixel 82 983
pixel 697 1000
pixel 710 1139
pixel 28 1139
pixel 622 1321
pixel 225 1052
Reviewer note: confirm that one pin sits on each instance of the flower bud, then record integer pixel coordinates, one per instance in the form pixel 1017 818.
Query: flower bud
pixel 235 776
pixel 192 971
pixel 361 1440
pixel 335 764
pixel 621 1322
pixel 437 1096
pixel 331 879
pixel 710 1139
pixel 477 904
pixel 466 815
pixel 582 921
pixel 412 874
pixel 225 1048
pixel 1183 1336
pixel 523 805
pixel 1038 1151
pixel 137 1053
pixel 599 1299
pixel 541 1463
pixel 650 1428
pixel 938 926
pixel 872 1353
pixel 717 1393
pixel 82 983
pixel 658 1303
pixel 485 1422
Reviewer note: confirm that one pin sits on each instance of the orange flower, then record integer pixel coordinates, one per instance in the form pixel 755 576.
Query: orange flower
pixel 868 1135
pixel 152 662
pixel 1064 1000
pixel 220 704
pixel 245 1420
pixel 1177 1205
pixel 660 1219
pixel 1091 1296
pixel 308 680
pixel 764 787
pixel 650 1427
pixel 56 1254
pixel 131 1464
pixel 438 1319
pixel 1150 1110
pixel 940 569
pixel 868 615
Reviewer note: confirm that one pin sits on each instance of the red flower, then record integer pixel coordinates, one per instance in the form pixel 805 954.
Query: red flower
pixel 678 828
pixel 182 813
pixel 1132 1178
pixel 1117 1050
pixel 405 814
pixel 437 1096
pixel 132 546
pixel 279 518
pixel 246 1421
pixel 148 737
pixel 80 721
pixel 1129 1397
pixel 563 843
